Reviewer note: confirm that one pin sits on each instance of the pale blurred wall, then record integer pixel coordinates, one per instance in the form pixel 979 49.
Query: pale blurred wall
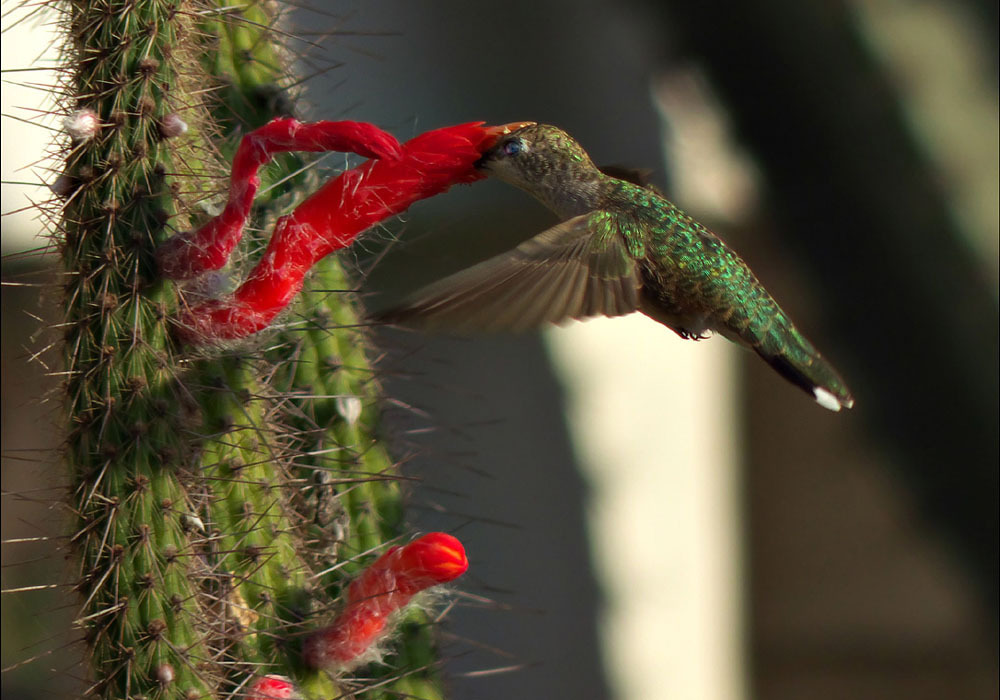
pixel 35 623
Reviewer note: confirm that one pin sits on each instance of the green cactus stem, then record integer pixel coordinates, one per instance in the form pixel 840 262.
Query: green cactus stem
pixel 127 448
pixel 222 500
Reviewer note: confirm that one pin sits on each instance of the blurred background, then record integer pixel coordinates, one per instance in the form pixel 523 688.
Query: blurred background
pixel 648 517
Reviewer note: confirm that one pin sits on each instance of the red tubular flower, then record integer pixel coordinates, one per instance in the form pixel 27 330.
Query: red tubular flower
pixel 381 590
pixel 195 252
pixel 331 219
pixel 272 687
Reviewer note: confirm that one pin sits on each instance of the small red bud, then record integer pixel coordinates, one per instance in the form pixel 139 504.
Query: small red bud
pixel 273 687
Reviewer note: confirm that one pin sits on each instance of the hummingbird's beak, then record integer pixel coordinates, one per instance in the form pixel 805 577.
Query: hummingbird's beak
pixel 493 133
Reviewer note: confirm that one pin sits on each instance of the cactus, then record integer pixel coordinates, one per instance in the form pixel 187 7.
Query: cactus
pixel 223 500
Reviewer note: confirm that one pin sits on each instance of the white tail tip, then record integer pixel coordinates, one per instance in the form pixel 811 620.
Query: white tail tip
pixel 827 400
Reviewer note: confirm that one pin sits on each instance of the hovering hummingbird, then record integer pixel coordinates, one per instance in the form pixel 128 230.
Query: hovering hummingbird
pixel 620 247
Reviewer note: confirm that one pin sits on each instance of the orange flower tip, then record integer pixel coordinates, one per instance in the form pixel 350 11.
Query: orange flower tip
pixel 495 132
pixel 449 571
pixel 440 555
pixel 504 129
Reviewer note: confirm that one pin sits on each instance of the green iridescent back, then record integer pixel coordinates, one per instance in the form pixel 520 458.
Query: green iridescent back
pixel 699 283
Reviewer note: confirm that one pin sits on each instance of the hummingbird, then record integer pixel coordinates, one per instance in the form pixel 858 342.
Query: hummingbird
pixel 620 247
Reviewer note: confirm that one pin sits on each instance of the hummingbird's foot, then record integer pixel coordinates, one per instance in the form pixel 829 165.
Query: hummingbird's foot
pixel 691 335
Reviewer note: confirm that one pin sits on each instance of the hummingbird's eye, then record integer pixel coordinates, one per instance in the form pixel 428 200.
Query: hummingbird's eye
pixel 513 147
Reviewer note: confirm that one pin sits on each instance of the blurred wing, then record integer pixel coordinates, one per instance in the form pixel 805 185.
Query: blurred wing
pixel 578 268
pixel 637 176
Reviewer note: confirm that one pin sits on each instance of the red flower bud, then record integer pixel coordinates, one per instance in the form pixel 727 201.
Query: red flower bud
pixel 433 559
pixel 380 591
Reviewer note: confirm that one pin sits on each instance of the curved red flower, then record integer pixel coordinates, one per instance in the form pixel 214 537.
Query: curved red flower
pixel 328 220
pixel 380 591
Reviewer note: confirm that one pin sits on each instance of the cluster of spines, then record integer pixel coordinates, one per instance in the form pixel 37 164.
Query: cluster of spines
pixel 257 577
pixel 127 446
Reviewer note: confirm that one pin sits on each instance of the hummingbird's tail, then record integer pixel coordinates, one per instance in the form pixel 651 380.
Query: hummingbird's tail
pixel 795 359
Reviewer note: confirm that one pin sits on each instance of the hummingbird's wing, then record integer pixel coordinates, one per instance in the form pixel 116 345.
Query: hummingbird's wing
pixel 581 267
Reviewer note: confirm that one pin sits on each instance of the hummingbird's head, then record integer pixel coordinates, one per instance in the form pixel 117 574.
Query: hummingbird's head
pixel 538 157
